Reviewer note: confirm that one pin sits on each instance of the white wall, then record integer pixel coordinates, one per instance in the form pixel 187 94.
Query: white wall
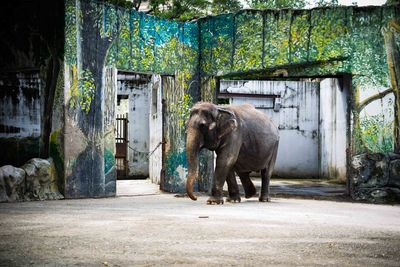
pixel 123 107
pixel 333 125
pixel 137 89
pixel 297 120
pixel 155 119
pixel 313 140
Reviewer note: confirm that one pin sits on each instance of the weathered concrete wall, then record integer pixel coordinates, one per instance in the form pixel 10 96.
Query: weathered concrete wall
pixel 256 44
pixel 137 88
pixel 31 48
pixel 312 118
pixel 100 35
pixel 293 107
pixel 334 128
pixel 20 116
pixel 260 44
pixel 20 105
pixel 155 129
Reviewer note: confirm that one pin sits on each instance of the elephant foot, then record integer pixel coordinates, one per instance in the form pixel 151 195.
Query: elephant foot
pixel 233 199
pixel 250 192
pixel 215 200
pixel 264 199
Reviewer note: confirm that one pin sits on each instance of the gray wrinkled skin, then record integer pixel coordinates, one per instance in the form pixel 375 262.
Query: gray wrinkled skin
pixel 244 140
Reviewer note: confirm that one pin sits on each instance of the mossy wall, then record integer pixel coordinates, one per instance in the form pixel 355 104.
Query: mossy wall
pixel 31 51
pixel 102 38
pixel 255 44
pixel 251 44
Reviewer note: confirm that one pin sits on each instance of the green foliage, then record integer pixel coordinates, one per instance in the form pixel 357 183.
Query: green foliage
pixel 225 6
pixel 124 40
pixel 324 3
pixel 182 109
pixel 377 134
pixel 276 4
pixel 329 34
pixel 216 42
pixel 248 41
pixel 392 2
pixel 87 89
pixel 299 31
pixel 188 9
pixel 277 33
pixel 179 9
pixel 369 56
pixel 70 32
pixel 279 4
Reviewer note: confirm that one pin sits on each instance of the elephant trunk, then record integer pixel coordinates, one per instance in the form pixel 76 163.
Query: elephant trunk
pixel 193 145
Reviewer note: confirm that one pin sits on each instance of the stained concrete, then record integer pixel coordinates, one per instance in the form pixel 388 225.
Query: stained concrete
pixel 289 188
pixel 160 229
pixel 137 188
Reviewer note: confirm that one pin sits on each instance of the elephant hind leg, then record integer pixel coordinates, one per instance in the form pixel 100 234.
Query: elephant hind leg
pixel 233 188
pixel 266 174
pixel 248 186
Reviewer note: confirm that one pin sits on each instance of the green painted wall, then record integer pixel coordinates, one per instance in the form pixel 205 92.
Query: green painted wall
pixel 249 44
pixel 100 37
pixel 254 44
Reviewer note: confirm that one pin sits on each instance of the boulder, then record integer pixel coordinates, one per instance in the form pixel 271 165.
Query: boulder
pixel 394 175
pixel 41 180
pixel 375 177
pixel 370 170
pixel 12 184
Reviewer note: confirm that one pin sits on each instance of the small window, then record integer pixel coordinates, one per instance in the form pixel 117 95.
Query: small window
pixel 154 98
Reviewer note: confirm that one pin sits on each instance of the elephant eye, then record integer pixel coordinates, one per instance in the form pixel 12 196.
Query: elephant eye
pixel 207 115
pixel 193 111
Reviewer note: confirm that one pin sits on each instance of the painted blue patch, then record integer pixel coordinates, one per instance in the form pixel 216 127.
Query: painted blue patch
pixel 109 160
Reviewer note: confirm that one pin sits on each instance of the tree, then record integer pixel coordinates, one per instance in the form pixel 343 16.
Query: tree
pixel 392 2
pixel 188 9
pixel 323 3
pixel 225 6
pixel 276 4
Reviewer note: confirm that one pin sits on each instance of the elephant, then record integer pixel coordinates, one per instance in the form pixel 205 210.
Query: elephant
pixel 244 140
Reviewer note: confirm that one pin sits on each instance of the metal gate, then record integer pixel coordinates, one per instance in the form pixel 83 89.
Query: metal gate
pixel 121 145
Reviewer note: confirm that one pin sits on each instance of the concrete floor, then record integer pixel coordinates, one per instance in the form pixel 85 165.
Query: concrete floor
pixel 299 188
pixel 150 228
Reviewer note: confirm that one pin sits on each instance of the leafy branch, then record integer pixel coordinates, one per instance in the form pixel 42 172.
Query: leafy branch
pixel 370 99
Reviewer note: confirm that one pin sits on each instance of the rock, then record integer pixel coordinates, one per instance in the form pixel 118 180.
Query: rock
pixel 394 174
pixel 375 177
pixel 369 170
pixel 41 180
pixel 393 156
pixel 12 183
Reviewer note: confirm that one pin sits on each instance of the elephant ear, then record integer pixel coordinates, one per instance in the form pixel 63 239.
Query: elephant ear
pixel 226 122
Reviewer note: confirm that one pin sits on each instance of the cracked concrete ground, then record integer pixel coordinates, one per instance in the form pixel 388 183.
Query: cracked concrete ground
pixel 159 229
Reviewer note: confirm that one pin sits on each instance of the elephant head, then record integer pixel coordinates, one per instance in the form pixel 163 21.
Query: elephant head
pixel 208 124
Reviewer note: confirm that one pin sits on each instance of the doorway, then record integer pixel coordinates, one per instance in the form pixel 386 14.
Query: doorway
pixel 312 117
pixel 138 133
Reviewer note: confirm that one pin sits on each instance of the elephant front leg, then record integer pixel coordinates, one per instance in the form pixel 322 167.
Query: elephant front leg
pixel 233 188
pixel 217 196
pixel 223 166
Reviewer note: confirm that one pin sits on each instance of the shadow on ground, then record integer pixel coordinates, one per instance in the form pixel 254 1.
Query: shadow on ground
pixel 288 188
